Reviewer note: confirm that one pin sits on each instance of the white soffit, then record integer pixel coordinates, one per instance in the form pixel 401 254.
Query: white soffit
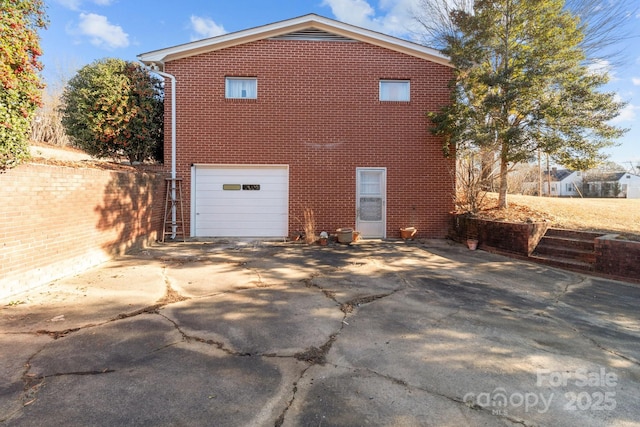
pixel 276 29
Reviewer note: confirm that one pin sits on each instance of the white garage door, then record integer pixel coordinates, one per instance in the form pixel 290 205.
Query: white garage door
pixel 239 201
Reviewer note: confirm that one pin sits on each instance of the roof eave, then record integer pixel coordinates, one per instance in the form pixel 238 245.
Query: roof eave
pixel 162 56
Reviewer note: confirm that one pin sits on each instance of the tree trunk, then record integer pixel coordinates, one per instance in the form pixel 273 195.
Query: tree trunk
pixel 539 173
pixel 504 170
pixel 548 178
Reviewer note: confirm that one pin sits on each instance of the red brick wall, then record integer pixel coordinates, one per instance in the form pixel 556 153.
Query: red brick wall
pixel 519 238
pixel 318 111
pixel 58 221
pixel 617 257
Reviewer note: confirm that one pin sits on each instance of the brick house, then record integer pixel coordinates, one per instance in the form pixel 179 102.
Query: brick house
pixel 307 113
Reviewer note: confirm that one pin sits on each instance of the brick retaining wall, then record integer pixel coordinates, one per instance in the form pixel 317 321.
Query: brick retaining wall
pixel 58 221
pixel 616 257
pixel 517 238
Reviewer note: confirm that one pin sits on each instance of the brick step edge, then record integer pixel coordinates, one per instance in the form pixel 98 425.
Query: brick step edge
pixel 565 263
pixel 573 234
pixel 566 242
pixel 584 255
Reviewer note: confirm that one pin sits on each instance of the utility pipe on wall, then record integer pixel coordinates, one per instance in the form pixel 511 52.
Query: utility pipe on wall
pixel 155 69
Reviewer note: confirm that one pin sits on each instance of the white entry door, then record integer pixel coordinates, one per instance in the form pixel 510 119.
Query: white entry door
pixel 371 202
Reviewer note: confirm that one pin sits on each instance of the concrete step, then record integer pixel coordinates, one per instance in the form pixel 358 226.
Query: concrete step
pixel 562 263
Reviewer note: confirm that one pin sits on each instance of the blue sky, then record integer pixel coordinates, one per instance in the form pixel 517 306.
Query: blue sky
pixel 81 31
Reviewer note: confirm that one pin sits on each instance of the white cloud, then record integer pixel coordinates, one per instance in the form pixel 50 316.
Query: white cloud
pixel 205 27
pixel 103 34
pixel 356 12
pixel 395 17
pixel 628 114
pixel 600 66
pixel 635 81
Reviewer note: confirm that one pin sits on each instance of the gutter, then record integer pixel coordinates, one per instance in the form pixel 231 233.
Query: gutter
pixel 155 69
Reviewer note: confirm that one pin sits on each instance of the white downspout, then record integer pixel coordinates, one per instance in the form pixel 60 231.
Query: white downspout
pixel 155 69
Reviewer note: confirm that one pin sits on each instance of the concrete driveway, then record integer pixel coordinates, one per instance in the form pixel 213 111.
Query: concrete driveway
pixel 376 333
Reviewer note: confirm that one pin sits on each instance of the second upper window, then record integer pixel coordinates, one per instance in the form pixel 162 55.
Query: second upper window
pixel 241 88
pixel 394 90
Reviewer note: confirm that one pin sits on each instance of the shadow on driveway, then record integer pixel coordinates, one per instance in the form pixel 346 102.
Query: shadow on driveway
pixel 274 334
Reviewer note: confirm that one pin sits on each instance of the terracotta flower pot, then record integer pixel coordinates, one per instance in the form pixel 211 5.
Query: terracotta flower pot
pixel 408 233
pixel 472 244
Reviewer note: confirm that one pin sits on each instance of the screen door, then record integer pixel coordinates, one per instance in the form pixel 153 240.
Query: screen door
pixel 371 202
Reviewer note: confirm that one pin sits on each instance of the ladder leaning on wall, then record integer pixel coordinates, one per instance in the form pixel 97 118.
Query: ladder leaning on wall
pixel 173 223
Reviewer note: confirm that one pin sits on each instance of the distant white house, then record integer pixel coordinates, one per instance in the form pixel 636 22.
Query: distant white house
pixel 564 183
pixel 612 184
pixel 592 183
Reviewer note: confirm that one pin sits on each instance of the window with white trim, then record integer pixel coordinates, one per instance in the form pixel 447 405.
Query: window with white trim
pixel 395 90
pixel 241 88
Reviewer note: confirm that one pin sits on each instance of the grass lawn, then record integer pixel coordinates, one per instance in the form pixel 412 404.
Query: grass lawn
pixel 608 215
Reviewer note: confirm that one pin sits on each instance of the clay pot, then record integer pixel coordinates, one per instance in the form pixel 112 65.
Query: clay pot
pixel 408 233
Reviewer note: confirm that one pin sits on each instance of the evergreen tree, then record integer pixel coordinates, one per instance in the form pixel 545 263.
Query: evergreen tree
pixel 114 108
pixel 522 84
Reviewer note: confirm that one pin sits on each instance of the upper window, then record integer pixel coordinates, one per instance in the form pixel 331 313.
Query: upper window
pixel 241 88
pixel 394 90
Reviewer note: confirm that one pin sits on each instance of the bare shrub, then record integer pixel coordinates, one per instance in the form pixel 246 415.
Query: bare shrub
pixel 309 226
pixel 473 175
pixel 523 179
pixel 46 128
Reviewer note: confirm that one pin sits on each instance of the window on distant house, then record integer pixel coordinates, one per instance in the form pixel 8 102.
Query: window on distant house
pixel 569 188
pixel 241 88
pixel 394 90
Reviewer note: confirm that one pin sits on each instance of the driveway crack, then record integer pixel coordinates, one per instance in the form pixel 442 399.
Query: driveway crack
pixel 562 293
pixel 349 306
pixel 313 356
pixel 31 385
pixel 455 400
pixel 187 338
pixel 79 373
pixel 280 420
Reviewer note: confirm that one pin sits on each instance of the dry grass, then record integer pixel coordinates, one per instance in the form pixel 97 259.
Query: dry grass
pixel 608 215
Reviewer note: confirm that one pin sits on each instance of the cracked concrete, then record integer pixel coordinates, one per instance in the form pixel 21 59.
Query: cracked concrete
pixel 273 334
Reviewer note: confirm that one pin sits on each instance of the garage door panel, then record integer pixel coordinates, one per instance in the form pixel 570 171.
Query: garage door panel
pixel 239 219
pixel 242 194
pixel 238 171
pixel 278 192
pixel 212 199
pixel 257 203
pixel 224 175
pixel 259 212
pixel 238 229
pixel 224 211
